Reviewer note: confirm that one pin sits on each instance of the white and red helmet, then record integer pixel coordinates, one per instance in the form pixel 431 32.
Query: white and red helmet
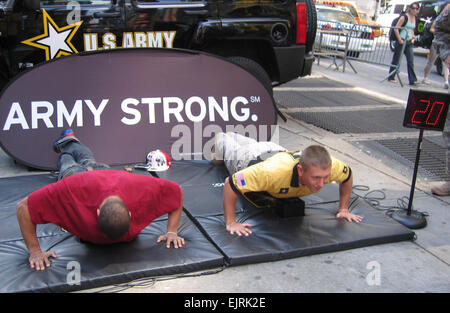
pixel 157 161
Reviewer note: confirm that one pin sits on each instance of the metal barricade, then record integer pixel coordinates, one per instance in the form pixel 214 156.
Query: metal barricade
pixel 358 43
pixel 334 44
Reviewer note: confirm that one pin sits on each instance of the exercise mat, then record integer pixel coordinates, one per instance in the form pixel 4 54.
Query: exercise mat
pixel 208 245
pixel 273 237
pixel 83 265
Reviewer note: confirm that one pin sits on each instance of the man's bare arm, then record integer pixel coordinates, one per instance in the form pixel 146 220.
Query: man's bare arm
pixel 345 191
pixel 37 259
pixel 229 207
pixel 171 236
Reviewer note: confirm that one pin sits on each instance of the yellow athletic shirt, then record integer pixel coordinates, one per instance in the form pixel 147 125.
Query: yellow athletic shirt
pixel 277 177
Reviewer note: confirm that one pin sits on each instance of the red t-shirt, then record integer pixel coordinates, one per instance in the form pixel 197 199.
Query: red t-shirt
pixel 72 202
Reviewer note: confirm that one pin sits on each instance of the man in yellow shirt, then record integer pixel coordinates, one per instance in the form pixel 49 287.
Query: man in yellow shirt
pixel 285 174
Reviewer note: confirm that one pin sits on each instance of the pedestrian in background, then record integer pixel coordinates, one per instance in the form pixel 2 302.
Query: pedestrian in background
pixel 405 35
pixel 434 53
pixel 442 38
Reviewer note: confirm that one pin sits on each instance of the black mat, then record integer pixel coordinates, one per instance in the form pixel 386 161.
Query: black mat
pixel 276 238
pixel 100 265
pixel 208 244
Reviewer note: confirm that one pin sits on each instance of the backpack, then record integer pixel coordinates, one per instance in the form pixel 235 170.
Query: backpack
pixel 427 36
pixel 392 36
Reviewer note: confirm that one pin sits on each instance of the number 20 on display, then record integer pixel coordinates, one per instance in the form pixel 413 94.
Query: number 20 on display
pixel 426 110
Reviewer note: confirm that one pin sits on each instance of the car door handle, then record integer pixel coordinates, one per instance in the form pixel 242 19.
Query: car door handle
pixel 107 14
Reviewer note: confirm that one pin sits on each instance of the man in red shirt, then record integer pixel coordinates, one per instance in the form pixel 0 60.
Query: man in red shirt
pixel 103 206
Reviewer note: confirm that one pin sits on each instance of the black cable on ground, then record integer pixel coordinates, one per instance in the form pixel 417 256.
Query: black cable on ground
pixel 375 197
pixel 146 282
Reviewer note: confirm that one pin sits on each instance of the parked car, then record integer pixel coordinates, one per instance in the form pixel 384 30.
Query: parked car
pixel 343 5
pixel 334 25
pixel 366 20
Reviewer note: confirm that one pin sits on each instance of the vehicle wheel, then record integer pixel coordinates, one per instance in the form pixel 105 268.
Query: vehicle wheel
pixel 255 69
pixel 438 65
pixel 392 45
pixel 312 25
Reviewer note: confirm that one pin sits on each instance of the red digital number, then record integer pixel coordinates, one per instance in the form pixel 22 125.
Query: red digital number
pixel 437 105
pixel 413 119
pixel 436 120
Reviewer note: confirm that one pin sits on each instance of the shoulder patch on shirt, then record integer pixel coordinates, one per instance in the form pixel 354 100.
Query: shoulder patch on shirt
pixel 240 179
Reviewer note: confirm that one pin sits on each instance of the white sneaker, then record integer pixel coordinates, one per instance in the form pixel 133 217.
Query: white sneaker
pixel 426 81
pixel 442 190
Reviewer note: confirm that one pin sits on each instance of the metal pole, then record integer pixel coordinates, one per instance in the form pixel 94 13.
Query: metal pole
pixel 396 71
pixel 377 10
pixel 416 167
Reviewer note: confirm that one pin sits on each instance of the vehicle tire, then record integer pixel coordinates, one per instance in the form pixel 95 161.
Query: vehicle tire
pixel 438 65
pixel 255 69
pixel 312 25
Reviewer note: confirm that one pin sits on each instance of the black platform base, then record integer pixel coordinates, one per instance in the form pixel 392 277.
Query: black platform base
pixel 415 220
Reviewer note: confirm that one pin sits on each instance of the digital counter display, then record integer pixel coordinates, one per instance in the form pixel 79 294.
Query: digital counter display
pixel 426 110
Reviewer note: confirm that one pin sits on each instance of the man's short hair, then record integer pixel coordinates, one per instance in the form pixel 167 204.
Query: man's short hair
pixel 315 155
pixel 114 219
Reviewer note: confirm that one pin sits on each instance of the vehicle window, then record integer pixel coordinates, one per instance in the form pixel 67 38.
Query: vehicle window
pixel 353 11
pixel 343 7
pixel 398 8
pixel 364 16
pixel 335 16
pixel 347 8
pixel 428 11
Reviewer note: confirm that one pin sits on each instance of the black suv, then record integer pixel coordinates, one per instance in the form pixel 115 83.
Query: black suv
pixel 271 39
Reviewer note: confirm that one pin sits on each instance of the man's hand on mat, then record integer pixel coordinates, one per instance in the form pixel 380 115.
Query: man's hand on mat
pixel 239 229
pixel 169 237
pixel 349 216
pixel 40 260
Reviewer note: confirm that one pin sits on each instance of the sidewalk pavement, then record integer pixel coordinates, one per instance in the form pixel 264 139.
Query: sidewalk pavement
pixel 422 265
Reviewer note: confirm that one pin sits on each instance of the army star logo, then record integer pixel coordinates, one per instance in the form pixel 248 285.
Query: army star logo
pixel 55 41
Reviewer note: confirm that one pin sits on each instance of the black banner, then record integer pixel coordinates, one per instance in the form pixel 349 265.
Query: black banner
pixel 124 103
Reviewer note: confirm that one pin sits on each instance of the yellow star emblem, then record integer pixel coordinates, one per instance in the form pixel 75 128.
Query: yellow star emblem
pixel 55 41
